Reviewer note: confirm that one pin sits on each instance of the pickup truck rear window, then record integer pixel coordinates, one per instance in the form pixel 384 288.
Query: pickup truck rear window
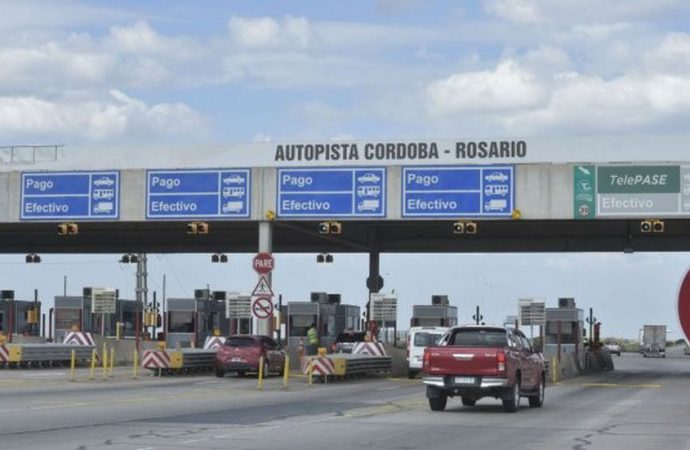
pixel 479 338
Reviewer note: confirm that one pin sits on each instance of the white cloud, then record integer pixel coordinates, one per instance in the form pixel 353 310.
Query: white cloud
pixel 269 33
pixel 582 11
pixel 593 104
pixel 521 11
pixel 506 88
pixel 113 117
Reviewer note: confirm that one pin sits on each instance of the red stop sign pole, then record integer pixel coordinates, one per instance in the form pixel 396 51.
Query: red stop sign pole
pixel 684 305
pixel 263 263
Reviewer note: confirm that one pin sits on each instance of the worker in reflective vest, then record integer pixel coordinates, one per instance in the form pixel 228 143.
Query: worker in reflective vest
pixel 313 340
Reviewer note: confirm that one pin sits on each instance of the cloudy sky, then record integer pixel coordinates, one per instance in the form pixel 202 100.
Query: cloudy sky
pixel 130 72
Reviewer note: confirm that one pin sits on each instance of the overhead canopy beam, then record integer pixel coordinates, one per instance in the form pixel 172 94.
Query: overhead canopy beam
pixel 391 237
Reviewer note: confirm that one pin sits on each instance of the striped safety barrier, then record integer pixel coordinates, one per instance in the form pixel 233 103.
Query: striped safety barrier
pixel 78 338
pixel 214 342
pixel 322 365
pixel 369 348
pixel 155 359
pixel 4 354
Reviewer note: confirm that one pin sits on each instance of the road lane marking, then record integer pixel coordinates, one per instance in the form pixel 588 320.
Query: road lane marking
pixel 620 385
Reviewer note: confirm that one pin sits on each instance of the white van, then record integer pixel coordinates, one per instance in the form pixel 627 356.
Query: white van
pixel 417 340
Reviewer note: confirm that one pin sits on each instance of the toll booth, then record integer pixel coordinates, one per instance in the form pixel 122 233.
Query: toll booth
pixel 189 321
pixel 439 314
pixel 19 317
pixel 563 328
pixel 324 310
pixel 75 312
pixel 238 312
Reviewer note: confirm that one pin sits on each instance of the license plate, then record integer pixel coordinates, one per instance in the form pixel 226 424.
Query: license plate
pixel 464 380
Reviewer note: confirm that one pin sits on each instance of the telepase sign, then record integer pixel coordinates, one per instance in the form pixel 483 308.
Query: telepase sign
pixel 632 190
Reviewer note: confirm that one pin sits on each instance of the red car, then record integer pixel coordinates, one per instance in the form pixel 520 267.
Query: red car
pixel 483 361
pixel 241 354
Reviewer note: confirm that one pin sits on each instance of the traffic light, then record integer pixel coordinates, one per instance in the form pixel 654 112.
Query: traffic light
pixel 335 227
pixel 470 228
pixel 33 258
pixel 652 226
pixel 330 227
pixel 197 228
pixel 646 226
pixel 67 228
pixel 159 320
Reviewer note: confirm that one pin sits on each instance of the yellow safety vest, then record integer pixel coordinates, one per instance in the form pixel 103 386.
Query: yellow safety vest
pixel 312 336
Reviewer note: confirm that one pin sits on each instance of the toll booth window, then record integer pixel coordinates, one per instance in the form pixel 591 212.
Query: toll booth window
pixel 299 325
pixel 65 318
pixel 181 322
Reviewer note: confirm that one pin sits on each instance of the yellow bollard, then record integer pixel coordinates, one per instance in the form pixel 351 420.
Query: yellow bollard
pixel 261 373
pixel 286 372
pixel 92 374
pixel 112 360
pixel 105 362
pixel 554 370
pixel 135 367
pixel 73 362
pixel 310 371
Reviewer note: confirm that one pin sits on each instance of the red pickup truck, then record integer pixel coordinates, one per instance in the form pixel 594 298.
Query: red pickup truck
pixel 483 361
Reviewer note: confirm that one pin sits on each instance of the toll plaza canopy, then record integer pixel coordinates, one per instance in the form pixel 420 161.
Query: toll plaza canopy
pixel 603 193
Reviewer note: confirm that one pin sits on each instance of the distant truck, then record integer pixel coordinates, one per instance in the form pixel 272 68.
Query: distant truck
pixel 654 341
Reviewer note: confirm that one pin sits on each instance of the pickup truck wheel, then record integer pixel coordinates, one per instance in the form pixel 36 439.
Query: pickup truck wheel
pixel 538 400
pixel 513 402
pixel 438 403
pixel 468 401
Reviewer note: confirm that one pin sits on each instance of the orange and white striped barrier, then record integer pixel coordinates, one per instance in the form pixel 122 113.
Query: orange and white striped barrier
pixel 4 354
pixel 214 342
pixel 78 338
pixel 369 348
pixel 322 365
pixel 155 359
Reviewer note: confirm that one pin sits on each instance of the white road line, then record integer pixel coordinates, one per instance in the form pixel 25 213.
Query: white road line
pixel 63 405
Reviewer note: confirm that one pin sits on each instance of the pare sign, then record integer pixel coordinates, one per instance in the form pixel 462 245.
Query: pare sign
pixel 263 263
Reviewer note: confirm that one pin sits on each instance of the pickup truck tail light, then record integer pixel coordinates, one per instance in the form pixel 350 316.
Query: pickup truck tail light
pixel 407 355
pixel 501 361
pixel 426 362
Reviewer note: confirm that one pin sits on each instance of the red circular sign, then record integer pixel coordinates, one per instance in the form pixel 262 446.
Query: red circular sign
pixel 262 308
pixel 684 305
pixel 263 263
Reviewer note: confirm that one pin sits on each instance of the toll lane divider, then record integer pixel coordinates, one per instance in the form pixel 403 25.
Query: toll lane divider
pixel 344 365
pixel 18 354
pixel 178 360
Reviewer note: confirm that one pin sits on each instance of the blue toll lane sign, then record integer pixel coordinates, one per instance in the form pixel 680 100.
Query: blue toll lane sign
pixel 70 195
pixel 476 191
pixel 332 192
pixel 209 194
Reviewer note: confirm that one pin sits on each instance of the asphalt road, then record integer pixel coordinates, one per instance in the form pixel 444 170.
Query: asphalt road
pixel 643 404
